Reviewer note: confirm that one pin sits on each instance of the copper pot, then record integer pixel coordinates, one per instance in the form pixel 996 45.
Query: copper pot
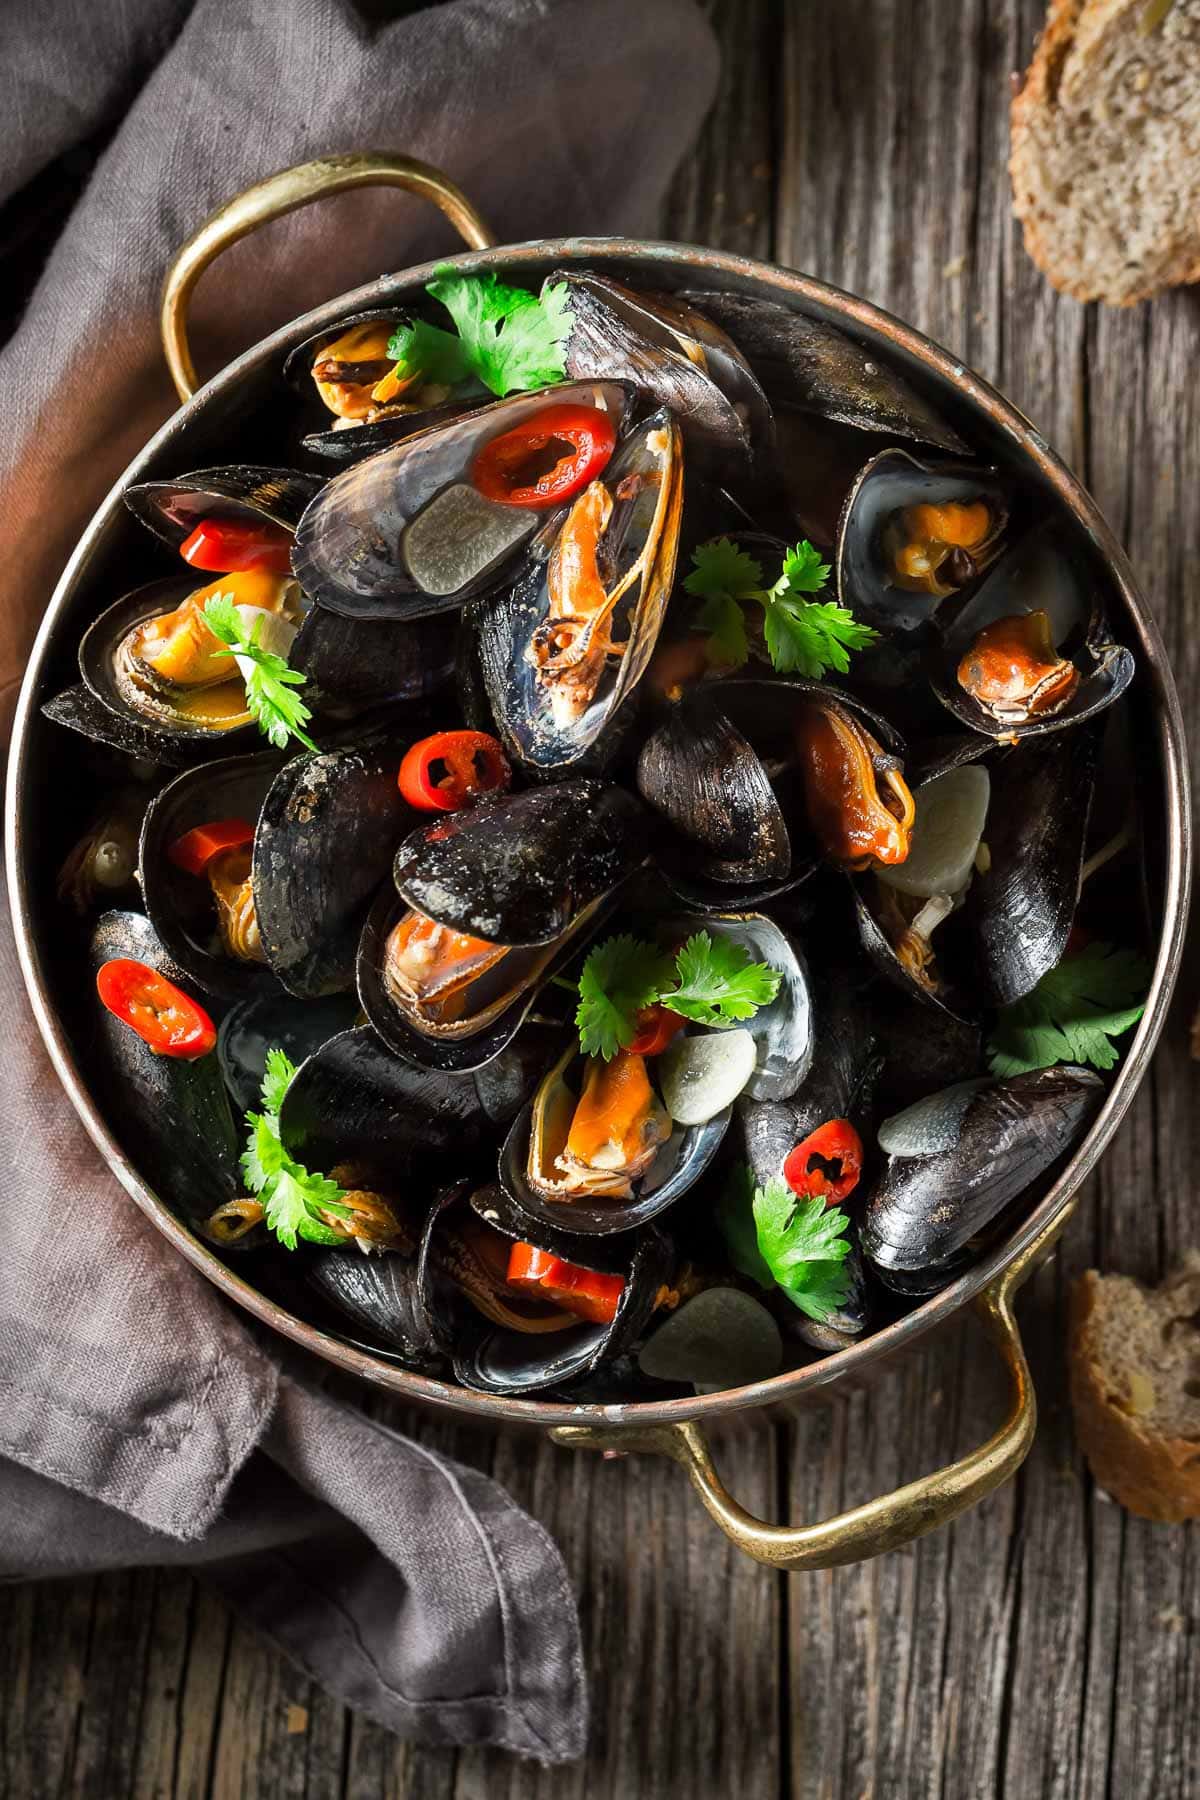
pixel 675 1428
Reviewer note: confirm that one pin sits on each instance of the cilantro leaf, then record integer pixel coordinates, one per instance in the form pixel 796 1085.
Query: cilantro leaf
pixel 803 570
pixel 277 1080
pixel 295 1201
pixel 511 339
pixel 802 636
pixel 718 982
pixel 807 637
pixel 435 354
pixel 279 713
pixel 619 978
pixel 735 1219
pixel 803 1243
pixel 1073 1013
pixel 723 572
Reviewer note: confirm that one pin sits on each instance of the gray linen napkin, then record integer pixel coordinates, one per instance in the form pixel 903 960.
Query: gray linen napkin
pixel 140 1420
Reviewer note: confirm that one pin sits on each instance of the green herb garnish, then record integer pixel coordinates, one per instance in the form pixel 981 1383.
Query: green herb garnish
pixel 1073 1013
pixel 508 339
pixel 711 981
pixel 802 636
pixel 294 1200
pixel 779 1240
pixel 279 712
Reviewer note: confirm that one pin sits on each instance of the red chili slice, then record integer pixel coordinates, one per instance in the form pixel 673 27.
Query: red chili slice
pixel 513 468
pixel 227 546
pixel 584 1292
pixel 196 848
pixel 162 1015
pixel 447 771
pixel 828 1162
pixel 656 1027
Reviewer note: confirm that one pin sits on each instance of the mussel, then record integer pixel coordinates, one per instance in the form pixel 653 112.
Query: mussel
pixel 858 804
pixel 782 1031
pixel 1029 652
pixel 410 531
pixel 276 1022
pixel 248 494
pixel 381 1295
pixel 956 1161
pixel 101 866
pixel 356 666
pixel 565 648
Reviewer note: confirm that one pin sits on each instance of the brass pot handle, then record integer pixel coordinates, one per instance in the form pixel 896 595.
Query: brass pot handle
pixel 893 1520
pixel 283 193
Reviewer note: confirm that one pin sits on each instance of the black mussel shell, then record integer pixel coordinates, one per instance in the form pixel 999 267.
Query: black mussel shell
pixel 164 733
pixel 328 830
pixel 720 1338
pixel 1038 575
pixel 176 1125
pixel 353 443
pixel 79 710
pixel 181 906
pixel 925 1210
pixel 638 549
pixel 354 546
pixel 276 1022
pixel 354 665
pixel 497 1208
pixel 354 1102
pixel 893 480
pixel 172 509
pixel 1021 905
pixel 520 869
pixel 783 1031
pixel 805 363
pixel 679 1164
pixel 673 356
pixel 382 1294
pixel 509 1079
pixel 918 1060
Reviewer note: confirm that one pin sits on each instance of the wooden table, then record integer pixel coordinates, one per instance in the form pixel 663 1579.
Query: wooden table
pixel 1047 1644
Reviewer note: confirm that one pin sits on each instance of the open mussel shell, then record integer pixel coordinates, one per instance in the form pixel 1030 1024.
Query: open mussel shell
pixel 175 1119
pixel 78 709
pixel 181 906
pixel 1021 904
pixel 878 533
pixel 382 1295
pixel 677 358
pixel 405 533
pixel 804 363
pixel 551 720
pixel 325 838
pixel 352 666
pixel 677 1166
pixel 354 1102
pixel 172 509
pixel 925 1210
pixel 276 1022
pixel 161 728
pixel 1040 575
pixel 720 1338
pixel 783 1031
pixel 520 869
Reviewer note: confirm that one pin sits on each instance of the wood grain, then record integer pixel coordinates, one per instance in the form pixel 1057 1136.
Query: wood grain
pixel 1046 1646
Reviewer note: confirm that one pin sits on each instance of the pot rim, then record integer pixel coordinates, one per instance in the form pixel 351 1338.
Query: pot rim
pixel 693 265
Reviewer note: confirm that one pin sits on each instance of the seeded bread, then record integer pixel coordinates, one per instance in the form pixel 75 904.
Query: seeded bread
pixel 1106 148
pixel 1135 1388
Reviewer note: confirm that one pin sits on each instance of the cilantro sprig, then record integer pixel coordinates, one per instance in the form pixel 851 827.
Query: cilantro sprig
pixel 1073 1014
pixel 712 981
pixel 803 636
pixel 293 1198
pixel 508 339
pixel 271 699
pixel 779 1240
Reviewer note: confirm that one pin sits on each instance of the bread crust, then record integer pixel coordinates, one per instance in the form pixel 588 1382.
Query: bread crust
pixel 1065 22
pixel 1156 1477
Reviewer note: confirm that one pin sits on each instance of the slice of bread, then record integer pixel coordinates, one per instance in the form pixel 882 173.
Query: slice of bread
pixel 1135 1388
pixel 1106 148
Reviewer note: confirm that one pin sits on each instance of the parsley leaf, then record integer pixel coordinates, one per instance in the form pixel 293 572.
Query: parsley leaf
pixel 803 1243
pixel 722 571
pixel 802 636
pixel 279 713
pixel 277 1080
pixel 803 571
pixel 619 978
pixel 735 1219
pixel 511 339
pixel 725 623
pixel 293 1199
pixel 437 355
pixel 717 981
pixel 1073 1013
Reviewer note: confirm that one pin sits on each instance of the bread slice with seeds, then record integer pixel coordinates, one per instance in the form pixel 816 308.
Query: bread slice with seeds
pixel 1135 1388
pixel 1106 148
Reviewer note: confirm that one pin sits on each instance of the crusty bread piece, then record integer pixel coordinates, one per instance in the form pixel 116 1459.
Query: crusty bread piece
pixel 1135 1388
pixel 1106 148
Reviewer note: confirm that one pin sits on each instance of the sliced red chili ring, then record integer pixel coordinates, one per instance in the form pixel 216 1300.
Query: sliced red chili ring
pixel 584 1292
pixel 164 1017
pixel 546 460
pixel 656 1027
pixel 196 848
pixel 449 770
pixel 227 546
pixel 827 1162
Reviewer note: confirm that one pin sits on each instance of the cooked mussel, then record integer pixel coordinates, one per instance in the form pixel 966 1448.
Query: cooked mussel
pixel 595 1150
pixel 276 1022
pixel 355 666
pixel 245 493
pixel 669 352
pixel 782 1031
pixel 565 648
pixel 1029 652
pixel 410 531
pixel 382 1295
pixel 912 534
pixel 78 709
pixel 961 1157
pixel 805 363
pixel 857 802
pixel 101 866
